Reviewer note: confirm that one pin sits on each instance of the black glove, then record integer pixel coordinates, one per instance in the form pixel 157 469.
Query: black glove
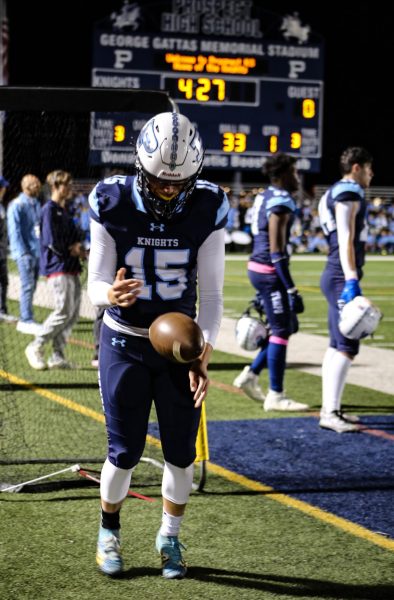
pixel 295 301
pixel 294 325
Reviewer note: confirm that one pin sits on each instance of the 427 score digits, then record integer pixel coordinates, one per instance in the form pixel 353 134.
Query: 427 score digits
pixel 215 90
pixel 205 90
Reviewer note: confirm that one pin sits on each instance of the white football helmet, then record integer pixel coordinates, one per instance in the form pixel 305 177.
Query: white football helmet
pixel 359 318
pixel 250 332
pixel 169 148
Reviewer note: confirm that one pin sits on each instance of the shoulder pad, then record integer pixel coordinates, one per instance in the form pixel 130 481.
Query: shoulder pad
pixel 348 188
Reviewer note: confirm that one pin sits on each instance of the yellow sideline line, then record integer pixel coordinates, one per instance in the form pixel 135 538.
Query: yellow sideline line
pixel 79 408
pixel 312 511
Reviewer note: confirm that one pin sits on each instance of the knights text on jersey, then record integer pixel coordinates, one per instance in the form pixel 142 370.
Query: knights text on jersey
pixel 343 191
pixel 272 200
pixel 163 254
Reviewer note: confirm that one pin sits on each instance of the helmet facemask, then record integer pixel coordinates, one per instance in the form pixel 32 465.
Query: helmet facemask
pixel 159 207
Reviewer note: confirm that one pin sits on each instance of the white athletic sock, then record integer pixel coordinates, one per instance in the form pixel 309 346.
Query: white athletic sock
pixel 334 371
pixel 170 525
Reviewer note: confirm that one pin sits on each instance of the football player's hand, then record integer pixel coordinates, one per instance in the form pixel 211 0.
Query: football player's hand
pixel 199 382
pixel 124 292
pixel 295 301
pixel 198 376
pixel 350 290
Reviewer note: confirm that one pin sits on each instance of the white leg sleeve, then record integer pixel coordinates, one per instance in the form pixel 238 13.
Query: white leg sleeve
pixel 334 372
pixel 114 483
pixel 177 483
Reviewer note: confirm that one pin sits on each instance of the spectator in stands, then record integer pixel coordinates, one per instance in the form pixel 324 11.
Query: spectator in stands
pixel 385 241
pixel 390 210
pixel 4 316
pixel 248 218
pixel 233 214
pixel 370 244
pixel 245 211
pixel 342 212
pixel 23 218
pixel 79 210
pixel 296 236
pixel 315 221
pixel 317 242
pixel 380 221
pixel 269 273
pixel 62 250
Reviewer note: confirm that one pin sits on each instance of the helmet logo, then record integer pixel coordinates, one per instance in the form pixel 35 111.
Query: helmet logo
pixel 148 138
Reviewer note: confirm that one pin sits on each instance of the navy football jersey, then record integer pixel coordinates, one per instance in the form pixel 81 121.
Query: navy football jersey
pixel 343 191
pixel 163 254
pixel 272 200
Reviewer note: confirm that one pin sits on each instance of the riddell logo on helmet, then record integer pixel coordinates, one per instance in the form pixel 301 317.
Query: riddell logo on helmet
pixel 174 175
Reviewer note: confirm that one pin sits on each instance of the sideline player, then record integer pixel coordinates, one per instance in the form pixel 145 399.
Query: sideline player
pixel 269 273
pixel 342 211
pixel 154 238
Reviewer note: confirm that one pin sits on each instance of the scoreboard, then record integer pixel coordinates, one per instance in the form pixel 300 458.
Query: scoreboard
pixel 251 80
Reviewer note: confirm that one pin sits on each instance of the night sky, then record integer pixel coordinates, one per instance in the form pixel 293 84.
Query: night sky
pixel 359 38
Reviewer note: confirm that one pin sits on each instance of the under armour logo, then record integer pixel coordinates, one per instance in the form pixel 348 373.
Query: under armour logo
pixel 120 341
pixel 154 227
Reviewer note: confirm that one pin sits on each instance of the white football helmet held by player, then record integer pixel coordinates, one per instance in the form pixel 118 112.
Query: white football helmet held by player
pixel 169 149
pixel 359 318
pixel 250 332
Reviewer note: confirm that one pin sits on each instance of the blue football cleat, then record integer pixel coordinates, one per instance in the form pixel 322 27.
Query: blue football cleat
pixel 169 548
pixel 108 557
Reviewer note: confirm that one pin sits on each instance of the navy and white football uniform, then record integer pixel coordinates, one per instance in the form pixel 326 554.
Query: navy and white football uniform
pixel 171 257
pixel 261 271
pixel 333 278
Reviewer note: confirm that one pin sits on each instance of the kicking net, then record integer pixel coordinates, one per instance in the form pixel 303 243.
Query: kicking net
pixel 54 415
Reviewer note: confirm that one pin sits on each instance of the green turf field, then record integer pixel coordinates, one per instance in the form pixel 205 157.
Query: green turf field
pixel 243 542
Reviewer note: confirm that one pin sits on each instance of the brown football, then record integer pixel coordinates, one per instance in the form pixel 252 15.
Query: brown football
pixel 176 337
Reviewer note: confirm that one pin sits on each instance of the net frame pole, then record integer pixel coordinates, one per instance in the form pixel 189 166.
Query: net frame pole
pixel 31 98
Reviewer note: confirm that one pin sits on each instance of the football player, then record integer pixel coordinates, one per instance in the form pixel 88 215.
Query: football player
pixel 269 273
pixel 342 212
pixel 155 237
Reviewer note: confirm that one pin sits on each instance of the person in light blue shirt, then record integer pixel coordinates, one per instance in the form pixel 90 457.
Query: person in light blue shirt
pixel 23 219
